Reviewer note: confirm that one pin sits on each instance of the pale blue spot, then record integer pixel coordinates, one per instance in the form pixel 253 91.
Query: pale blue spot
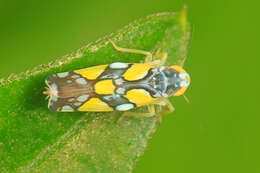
pixel 75 76
pixel 63 75
pixel 183 75
pixel 67 108
pixel 81 81
pixel 120 91
pixel 82 98
pixel 69 81
pixel 77 104
pixel 71 100
pixel 184 84
pixel 118 65
pixel 111 97
pixel 124 107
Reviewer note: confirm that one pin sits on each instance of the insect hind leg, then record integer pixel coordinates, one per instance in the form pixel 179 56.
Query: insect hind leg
pixel 161 56
pixel 149 55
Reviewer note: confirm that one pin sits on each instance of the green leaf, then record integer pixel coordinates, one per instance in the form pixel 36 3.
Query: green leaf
pixel 34 139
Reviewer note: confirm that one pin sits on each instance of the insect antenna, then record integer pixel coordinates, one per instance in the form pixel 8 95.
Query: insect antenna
pixel 186 99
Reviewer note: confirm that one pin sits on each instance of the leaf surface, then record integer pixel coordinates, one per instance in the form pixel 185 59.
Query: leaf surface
pixel 34 139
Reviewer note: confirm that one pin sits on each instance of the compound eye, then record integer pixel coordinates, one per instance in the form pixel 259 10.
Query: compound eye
pixel 183 75
pixel 185 79
pixel 184 84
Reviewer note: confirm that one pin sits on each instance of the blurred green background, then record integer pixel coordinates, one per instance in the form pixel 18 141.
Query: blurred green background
pixel 219 130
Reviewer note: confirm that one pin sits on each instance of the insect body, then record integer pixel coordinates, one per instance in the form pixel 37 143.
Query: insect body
pixel 117 86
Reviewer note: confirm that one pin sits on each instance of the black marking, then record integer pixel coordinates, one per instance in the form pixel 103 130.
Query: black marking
pixel 114 100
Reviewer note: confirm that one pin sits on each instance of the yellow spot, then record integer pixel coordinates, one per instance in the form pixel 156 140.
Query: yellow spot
pixel 137 71
pixel 91 73
pixel 95 105
pixel 104 87
pixel 139 96
pixel 178 68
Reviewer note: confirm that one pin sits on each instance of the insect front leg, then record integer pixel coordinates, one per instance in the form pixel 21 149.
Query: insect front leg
pixel 165 102
pixel 161 56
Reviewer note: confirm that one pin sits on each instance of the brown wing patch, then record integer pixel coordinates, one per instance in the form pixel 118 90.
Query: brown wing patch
pixel 68 91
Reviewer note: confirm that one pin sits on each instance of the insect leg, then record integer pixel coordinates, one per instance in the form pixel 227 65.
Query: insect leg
pixel 151 110
pixel 148 57
pixel 161 58
pixel 165 102
pixel 150 113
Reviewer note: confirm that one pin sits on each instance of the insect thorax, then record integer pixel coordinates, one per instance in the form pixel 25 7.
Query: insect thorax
pixel 159 82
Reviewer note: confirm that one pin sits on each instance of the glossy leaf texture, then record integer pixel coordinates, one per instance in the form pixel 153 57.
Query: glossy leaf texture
pixel 34 139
